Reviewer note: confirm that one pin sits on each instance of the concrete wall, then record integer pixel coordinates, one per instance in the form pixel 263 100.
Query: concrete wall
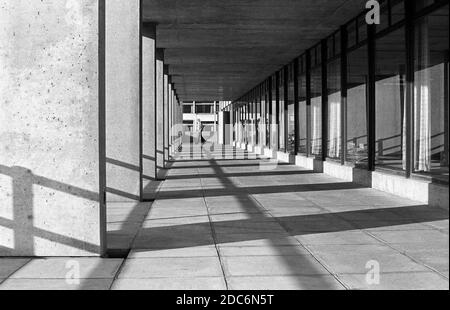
pixel 49 128
pixel 123 99
pixel 148 103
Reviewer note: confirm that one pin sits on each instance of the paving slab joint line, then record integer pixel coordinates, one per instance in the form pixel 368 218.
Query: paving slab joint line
pixel 119 270
pixel 213 232
pixel 441 230
pixel 322 263
pixel 10 275
pixel 393 248
pixel 406 255
pixel 116 276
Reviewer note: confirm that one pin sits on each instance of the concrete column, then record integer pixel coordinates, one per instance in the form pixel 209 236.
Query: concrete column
pixel 216 127
pixel 52 128
pixel 167 92
pixel 159 110
pixel 123 100
pixel 149 104
pixel 233 126
pixel 170 119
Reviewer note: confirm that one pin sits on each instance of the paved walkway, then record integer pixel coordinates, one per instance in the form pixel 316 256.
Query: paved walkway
pixel 247 223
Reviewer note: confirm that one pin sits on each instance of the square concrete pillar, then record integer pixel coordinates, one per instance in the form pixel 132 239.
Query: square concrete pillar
pixel 123 100
pixel 170 120
pixel 149 104
pixel 159 111
pixel 52 138
pixel 167 92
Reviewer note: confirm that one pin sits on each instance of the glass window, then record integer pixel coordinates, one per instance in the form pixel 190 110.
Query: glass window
pixel 421 4
pixel 397 11
pixel 356 109
pixel 334 109
pixel 187 109
pixel 384 16
pixel 431 57
pixel 352 34
pixel 316 111
pixel 302 107
pixel 362 29
pixel 291 116
pixel 390 100
pixel 204 109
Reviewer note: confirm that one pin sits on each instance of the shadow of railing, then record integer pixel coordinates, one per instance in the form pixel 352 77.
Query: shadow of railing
pixel 22 222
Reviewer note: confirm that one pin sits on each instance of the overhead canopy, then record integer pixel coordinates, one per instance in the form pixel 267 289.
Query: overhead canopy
pixel 219 49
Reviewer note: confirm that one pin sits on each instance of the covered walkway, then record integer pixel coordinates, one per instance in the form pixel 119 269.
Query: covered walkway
pixel 253 223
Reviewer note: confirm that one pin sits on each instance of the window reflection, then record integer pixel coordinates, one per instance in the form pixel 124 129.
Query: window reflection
pixel 316 111
pixel 357 106
pixel 431 56
pixel 390 100
pixel 334 109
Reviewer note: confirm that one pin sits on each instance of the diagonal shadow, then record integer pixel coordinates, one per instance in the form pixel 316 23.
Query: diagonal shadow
pixel 187 234
pixel 229 189
pixel 22 224
pixel 190 235
pixel 244 174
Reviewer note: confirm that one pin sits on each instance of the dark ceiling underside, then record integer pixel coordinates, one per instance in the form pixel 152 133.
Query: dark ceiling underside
pixel 218 50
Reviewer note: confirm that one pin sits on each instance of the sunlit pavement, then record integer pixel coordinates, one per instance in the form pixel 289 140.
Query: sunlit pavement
pixel 225 219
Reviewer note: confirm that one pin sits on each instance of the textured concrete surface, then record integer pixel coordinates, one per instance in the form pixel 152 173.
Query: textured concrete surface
pixel 149 103
pixel 123 100
pixel 160 111
pixel 223 48
pixel 49 118
pixel 219 223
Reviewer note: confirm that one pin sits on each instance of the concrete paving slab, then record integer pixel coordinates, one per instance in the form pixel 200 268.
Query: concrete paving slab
pixel 190 267
pixel 190 284
pixel 410 236
pixel 58 268
pixel 194 251
pixel 10 265
pixel 354 258
pixel 174 237
pixel 272 265
pixel 55 284
pixel 278 283
pixel 339 237
pixel 247 251
pixel 397 281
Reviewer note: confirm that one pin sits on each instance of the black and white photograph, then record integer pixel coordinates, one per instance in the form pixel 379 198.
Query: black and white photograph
pixel 224 151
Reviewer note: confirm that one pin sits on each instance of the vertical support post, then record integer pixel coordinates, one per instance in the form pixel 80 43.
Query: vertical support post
pixel 277 105
pixel 324 55
pixel 149 107
pixel 344 95
pixel 159 141
pixel 255 126
pixel 269 99
pixel 216 128
pixel 308 103
pixel 296 109
pixel 102 125
pixel 371 100
pixel 167 92
pixel 286 108
pixel 409 104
